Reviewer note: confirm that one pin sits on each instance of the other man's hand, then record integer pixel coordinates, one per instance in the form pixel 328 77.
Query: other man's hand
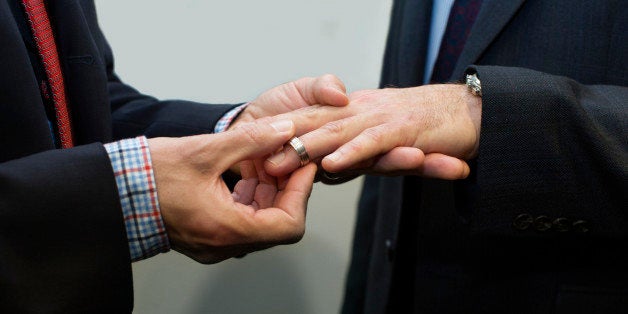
pixel 204 220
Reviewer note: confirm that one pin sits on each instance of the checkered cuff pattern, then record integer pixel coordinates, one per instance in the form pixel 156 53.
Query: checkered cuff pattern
pixel 226 120
pixel 133 171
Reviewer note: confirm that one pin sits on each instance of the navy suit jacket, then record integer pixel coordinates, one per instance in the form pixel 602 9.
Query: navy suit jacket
pixel 63 245
pixel 541 225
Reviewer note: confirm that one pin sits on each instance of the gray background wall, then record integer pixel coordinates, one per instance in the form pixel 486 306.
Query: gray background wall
pixel 228 52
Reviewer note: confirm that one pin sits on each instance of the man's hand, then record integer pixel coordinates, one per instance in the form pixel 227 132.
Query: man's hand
pixel 203 219
pixel 323 90
pixel 428 131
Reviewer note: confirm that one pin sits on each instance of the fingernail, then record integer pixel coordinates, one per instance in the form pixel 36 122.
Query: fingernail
pixel 277 158
pixel 335 156
pixel 236 197
pixel 283 126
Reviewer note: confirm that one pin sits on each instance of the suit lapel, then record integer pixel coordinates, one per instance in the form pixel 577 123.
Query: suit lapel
pixel 492 18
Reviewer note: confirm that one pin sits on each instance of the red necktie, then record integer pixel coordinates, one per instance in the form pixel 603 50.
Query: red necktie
pixel 44 39
pixel 461 18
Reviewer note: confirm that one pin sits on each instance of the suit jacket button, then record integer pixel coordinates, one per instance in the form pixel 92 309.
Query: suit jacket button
pixel 390 250
pixel 522 222
pixel 561 224
pixel 542 223
pixel 581 226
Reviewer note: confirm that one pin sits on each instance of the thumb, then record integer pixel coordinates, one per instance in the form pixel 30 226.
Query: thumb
pixel 253 140
pixel 324 90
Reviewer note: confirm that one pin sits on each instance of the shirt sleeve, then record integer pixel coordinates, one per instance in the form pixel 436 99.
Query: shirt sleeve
pixel 146 233
pixel 226 120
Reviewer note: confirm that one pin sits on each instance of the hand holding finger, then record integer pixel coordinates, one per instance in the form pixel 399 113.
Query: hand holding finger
pixel 250 141
pixel 285 221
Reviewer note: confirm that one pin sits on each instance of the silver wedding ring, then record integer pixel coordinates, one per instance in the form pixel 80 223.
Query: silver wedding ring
pixel 298 147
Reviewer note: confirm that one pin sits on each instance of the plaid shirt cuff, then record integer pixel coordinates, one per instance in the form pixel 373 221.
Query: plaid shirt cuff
pixel 226 120
pixel 133 170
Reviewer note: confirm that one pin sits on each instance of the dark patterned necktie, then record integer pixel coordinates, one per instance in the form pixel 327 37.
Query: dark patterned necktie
pixel 44 39
pixel 461 18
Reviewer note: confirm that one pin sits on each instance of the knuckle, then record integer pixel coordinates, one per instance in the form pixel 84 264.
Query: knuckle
pixel 310 112
pixel 354 147
pixel 304 79
pixel 372 135
pixel 334 127
pixel 329 78
pixel 252 133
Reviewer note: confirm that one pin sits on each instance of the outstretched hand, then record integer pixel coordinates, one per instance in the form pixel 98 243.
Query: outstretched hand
pixel 428 131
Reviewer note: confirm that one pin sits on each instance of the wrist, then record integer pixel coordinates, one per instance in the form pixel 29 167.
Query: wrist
pixel 230 118
pixel 473 98
pixel 466 122
pixel 243 115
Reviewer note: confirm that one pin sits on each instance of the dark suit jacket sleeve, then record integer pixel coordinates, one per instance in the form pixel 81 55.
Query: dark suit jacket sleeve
pixel 134 113
pixel 62 236
pixel 550 146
